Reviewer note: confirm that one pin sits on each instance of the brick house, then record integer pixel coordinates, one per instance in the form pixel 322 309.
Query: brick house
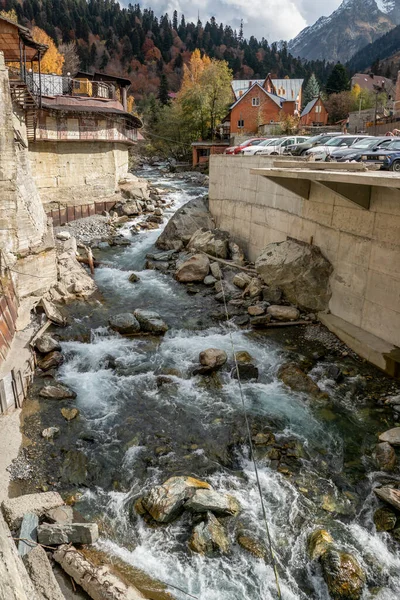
pixel 254 107
pixel 314 113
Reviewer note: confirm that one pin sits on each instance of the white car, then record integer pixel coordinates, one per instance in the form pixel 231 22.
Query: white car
pixel 278 147
pixel 251 150
pixel 342 141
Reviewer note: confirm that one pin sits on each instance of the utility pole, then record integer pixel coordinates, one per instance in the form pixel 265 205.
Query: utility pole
pixel 378 90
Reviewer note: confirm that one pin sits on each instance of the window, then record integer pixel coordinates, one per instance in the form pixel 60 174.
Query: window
pixel 241 123
pixel 318 109
pixel 255 101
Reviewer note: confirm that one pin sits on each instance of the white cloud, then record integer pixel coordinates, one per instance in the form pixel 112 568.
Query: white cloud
pixel 272 19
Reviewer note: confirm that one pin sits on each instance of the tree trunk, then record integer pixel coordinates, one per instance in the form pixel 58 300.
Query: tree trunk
pixel 98 582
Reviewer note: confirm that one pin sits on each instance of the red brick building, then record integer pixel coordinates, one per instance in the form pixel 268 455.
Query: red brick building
pixel 314 113
pixel 255 107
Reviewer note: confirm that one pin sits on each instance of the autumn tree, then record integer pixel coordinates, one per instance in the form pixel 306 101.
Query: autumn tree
pixel 216 84
pixel 71 58
pixel 11 15
pixel 339 106
pixel 53 60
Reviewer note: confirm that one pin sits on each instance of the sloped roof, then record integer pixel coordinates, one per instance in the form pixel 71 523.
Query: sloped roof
pixel 10 35
pixel 308 108
pixel 274 98
pixel 242 85
pixel 288 89
pixel 368 81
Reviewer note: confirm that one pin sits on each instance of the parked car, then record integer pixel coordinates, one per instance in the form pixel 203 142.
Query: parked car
pixel 279 146
pixel 388 157
pixel 251 150
pixel 342 141
pixel 316 140
pixel 355 151
pixel 240 147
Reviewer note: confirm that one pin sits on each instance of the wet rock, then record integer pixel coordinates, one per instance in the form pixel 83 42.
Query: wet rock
pixel 297 380
pixel 214 242
pixel 392 436
pixel 283 313
pixel 150 321
pixel 61 514
pixel 130 209
pixel 194 269
pixel 50 433
pixel 243 357
pixel 124 323
pixel 256 310
pixel 300 270
pixel 209 280
pixel 261 321
pixel 272 294
pixel 385 456
pixel 252 546
pixel 69 413
pixel 318 543
pixel 333 372
pixel 204 500
pixel 236 253
pixel 209 537
pixel 158 211
pixel 133 278
pixel 57 391
pixel 51 361
pixel 216 270
pixel 384 519
pixel 247 372
pixel 46 344
pixel 343 575
pixel 242 320
pixel 389 495
pixel 164 503
pixel 264 439
pixel 241 280
pixel 161 266
pixel 254 289
pixel 75 468
pixel 188 219
pixel 162 256
pixel 213 358
pixel 55 534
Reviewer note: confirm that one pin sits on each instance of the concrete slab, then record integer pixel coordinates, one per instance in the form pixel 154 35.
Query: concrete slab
pixel 368 346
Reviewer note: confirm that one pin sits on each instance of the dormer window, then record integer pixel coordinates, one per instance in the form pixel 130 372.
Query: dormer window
pixel 255 101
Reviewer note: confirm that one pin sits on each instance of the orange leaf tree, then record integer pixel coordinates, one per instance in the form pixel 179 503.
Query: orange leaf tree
pixel 53 60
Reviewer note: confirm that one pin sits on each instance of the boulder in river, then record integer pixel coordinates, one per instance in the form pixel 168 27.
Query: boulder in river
pixel 297 380
pixel 283 313
pixel 196 268
pixel 241 280
pixel 243 357
pixel 209 536
pixel 209 280
pixel 150 321
pixel 67 533
pixel 69 413
pixel 188 219
pixel 343 575
pixel 214 242
pixel 50 361
pixel 216 270
pixel 389 495
pixel 247 371
pixel 256 310
pixel 133 278
pixel 50 433
pixel 213 358
pixel 385 456
pixel 384 519
pixel 211 501
pixel 46 344
pixel 252 545
pixel 124 323
pixel 318 543
pixel 254 289
pixel 165 502
pixel 300 270
pixel 392 436
pixel 57 391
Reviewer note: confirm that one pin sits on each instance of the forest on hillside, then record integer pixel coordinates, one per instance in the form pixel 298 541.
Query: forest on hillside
pixel 134 42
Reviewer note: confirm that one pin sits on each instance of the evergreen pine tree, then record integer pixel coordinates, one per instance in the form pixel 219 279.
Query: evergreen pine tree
pixel 338 80
pixel 93 54
pixel 311 90
pixel 163 90
pixel 241 37
pixel 175 20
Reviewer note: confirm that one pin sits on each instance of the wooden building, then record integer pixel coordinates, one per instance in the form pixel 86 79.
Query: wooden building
pixel 314 113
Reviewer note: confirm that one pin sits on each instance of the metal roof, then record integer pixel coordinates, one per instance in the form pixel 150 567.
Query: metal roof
pixel 308 108
pixel 273 97
pixel 288 89
pixel 242 85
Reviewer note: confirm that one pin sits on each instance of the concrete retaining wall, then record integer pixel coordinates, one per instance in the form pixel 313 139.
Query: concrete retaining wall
pixel 363 246
pixel 74 173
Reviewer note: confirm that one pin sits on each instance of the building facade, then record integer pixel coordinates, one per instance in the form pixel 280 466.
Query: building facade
pixel 314 114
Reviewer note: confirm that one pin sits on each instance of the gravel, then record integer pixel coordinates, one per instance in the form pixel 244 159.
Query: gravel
pixel 96 227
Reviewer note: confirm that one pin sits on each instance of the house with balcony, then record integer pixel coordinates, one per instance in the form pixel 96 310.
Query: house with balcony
pixel 77 129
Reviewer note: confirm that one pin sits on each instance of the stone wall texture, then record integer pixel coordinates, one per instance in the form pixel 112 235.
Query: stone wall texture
pixel 74 173
pixel 24 231
pixel 362 245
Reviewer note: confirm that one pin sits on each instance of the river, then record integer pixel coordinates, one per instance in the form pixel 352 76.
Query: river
pixel 133 434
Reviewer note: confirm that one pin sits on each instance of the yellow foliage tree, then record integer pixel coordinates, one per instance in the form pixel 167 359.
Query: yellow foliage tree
pixel 53 60
pixel 11 15
pixel 193 71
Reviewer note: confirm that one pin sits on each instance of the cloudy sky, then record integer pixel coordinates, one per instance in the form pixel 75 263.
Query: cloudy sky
pixel 273 19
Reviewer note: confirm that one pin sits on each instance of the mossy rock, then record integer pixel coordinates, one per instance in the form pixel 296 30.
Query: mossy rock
pixel 384 519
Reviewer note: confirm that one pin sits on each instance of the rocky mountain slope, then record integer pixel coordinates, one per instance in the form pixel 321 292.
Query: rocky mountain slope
pixel 352 26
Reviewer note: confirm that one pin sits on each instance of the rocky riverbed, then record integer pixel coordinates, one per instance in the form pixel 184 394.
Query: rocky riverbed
pixel 135 417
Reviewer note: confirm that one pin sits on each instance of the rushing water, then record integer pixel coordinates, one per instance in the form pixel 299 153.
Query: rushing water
pixel 135 435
